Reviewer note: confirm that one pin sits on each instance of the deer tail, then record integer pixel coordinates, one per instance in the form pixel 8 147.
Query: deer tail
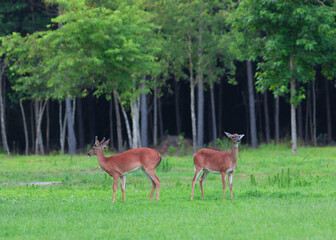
pixel 159 160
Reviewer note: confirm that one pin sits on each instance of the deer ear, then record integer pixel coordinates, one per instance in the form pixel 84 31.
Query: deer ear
pixel 106 143
pixel 241 136
pixel 228 134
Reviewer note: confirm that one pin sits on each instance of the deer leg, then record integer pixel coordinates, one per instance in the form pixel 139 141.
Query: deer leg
pixel 197 173
pixel 230 181
pixel 204 176
pixel 122 185
pixel 153 185
pixel 223 180
pixel 115 184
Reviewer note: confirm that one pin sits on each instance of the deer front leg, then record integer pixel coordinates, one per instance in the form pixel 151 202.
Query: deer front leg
pixel 230 181
pixel 122 185
pixel 223 180
pixel 115 184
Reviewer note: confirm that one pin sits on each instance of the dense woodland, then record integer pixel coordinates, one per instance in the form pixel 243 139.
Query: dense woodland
pixel 140 71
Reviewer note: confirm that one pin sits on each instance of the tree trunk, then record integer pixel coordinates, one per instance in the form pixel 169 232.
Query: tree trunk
pixel 246 106
pixel 71 131
pixel 276 120
pixel 213 114
pixel 135 122
pixel 80 126
pixel 92 118
pixel 32 126
pixel 111 121
pixel 327 98
pixel 177 108
pixel 259 114
pixel 253 126
pixel 192 99
pixel 220 110
pixel 300 123
pixel 293 114
pixel 267 125
pixel 117 112
pixel 128 128
pixel 48 128
pixel 160 118
pixel 307 115
pixel 314 113
pixel 144 117
pixel 200 90
pixel 155 131
pixel 39 110
pixel 2 108
pixel 24 128
pixel 62 126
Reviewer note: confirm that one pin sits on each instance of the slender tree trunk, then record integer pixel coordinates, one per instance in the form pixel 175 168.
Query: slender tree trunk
pixel 128 128
pixel 307 115
pixel 246 106
pixel 220 110
pixel 2 108
pixel 135 122
pixel 327 98
pixel 192 99
pixel 293 113
pixel 253 126
pixel 92 118
pixel 39 110
pixel 314 112
pixel 213 113
pixel 32 126
pixel 177 108
pixel 48 128
pixel 117 112
pixel 200 90
pixel 24 128
pixel 62 126
pixel 72 143
pixel 155 131
pixel 80 126
pixel 267 125
pixel 300 122
pixel 111 120
pixel 276 120
pixel 144 117
pixel 259 114
pixel 160 118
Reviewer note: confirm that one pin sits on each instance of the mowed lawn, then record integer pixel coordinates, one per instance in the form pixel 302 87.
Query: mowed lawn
pixel 277 196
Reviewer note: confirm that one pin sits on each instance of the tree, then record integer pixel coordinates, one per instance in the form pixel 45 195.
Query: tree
pixel 301 47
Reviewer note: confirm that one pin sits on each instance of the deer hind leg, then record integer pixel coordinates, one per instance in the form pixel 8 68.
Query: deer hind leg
pixel 204 176
pixel 122 185
pixel 151 177
pixel 230 181
pixel 115 184
pixel 197 173
pixel 223 180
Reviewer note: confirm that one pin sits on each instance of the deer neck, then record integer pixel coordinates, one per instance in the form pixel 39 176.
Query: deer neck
pixel 234 152
pixel 101 157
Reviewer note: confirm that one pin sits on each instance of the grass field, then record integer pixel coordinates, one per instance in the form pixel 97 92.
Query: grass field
pixel 277 196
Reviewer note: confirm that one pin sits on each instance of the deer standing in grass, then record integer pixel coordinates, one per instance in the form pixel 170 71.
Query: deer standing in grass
pixel 119 165
pixel 213 161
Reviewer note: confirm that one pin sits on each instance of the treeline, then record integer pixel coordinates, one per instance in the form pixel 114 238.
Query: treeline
pixel 139 70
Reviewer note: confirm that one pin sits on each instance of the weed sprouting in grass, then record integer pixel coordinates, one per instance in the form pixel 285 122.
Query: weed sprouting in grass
pixel 164 165
pixel 253 180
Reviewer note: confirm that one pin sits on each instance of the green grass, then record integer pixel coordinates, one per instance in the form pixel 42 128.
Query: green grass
pixel 277 196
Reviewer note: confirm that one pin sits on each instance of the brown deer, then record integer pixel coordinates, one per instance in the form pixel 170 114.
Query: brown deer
pixel 119 165
pixel 213 161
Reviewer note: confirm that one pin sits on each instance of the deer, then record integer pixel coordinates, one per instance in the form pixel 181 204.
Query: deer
pixel 119 165
pixel 217 162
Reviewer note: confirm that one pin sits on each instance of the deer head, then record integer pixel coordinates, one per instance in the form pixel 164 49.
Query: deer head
pixel 235 138
pixel 97 146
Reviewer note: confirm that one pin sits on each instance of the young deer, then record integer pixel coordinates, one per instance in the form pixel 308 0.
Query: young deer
pixel 119 165
pixel 213 161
